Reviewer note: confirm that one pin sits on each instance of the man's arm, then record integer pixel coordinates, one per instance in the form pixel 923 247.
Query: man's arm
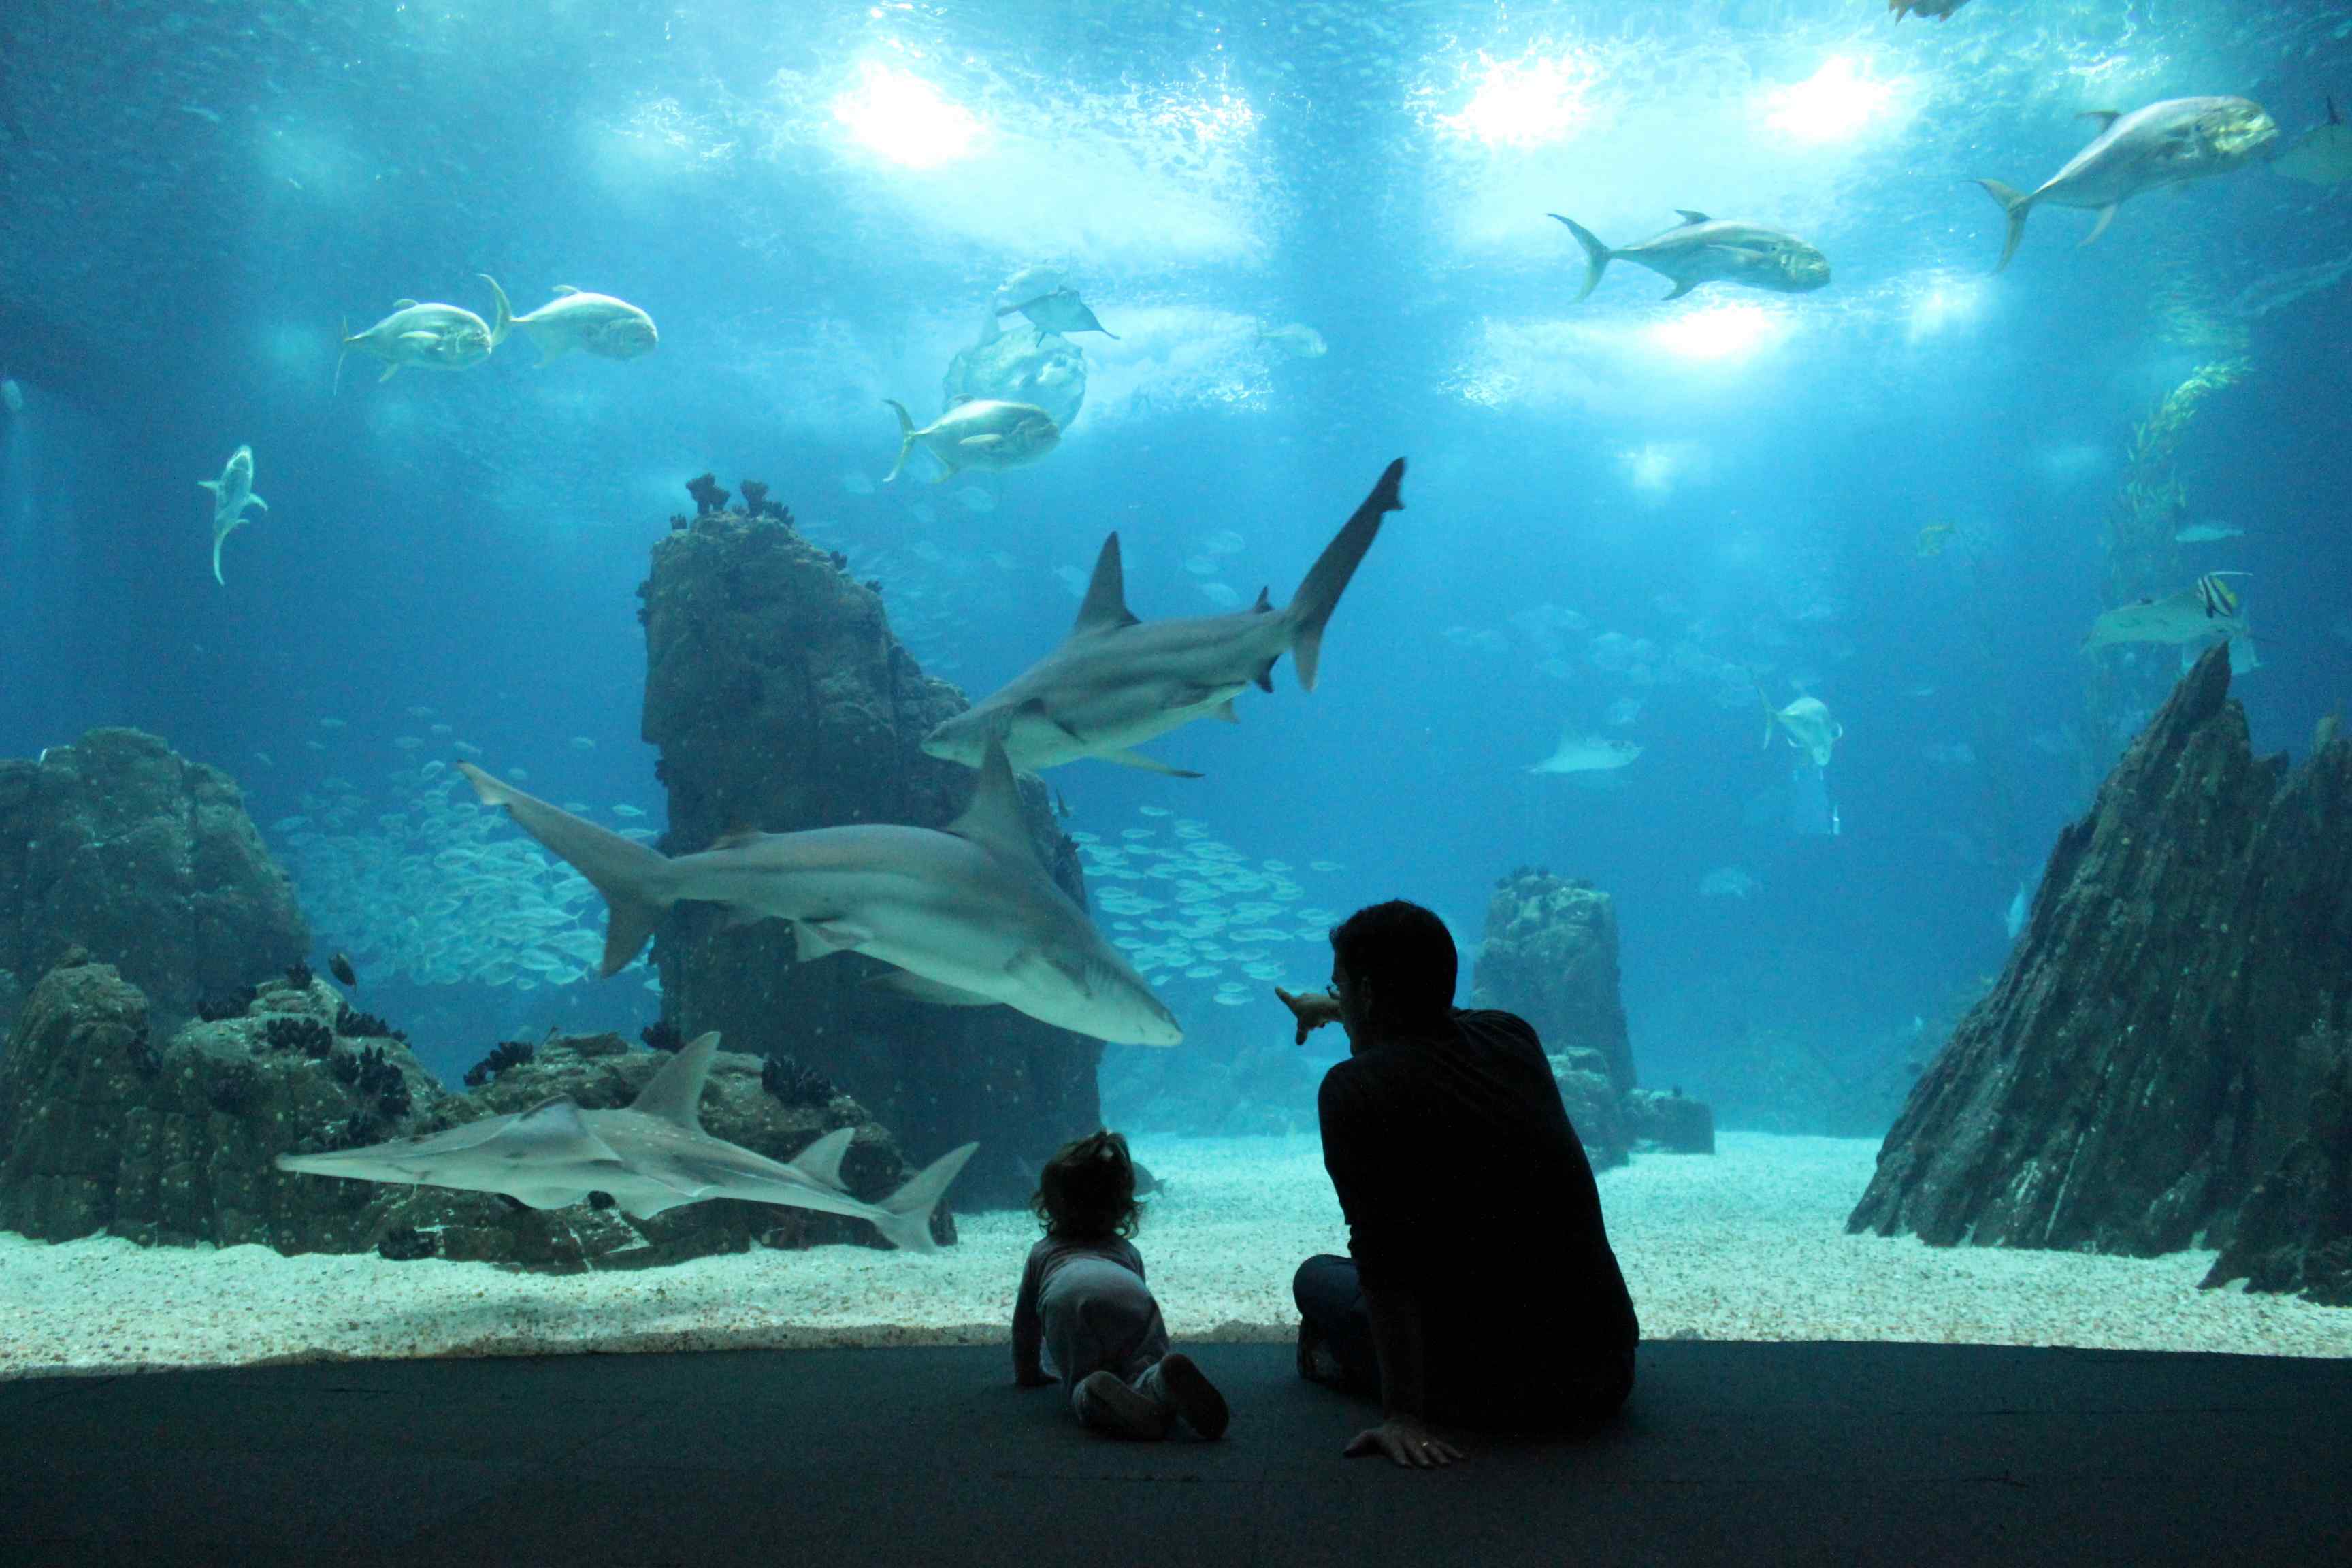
pixel 1397 1337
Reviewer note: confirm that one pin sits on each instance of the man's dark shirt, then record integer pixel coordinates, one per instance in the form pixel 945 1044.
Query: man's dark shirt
pixel 1464 1183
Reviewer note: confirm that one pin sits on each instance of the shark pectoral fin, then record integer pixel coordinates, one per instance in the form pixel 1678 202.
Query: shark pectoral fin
pixel 815 939
pixel 1035 709
pixel 1030 961
pixel 922 988
pixel 212 484
pixel 2107 216
pixel 1147 764
pixel 644 1206
pixel 1266 677
pixel 257 500
pixel 1680 287
pixel 821 1160
pixel 389 372
pixel 1224 712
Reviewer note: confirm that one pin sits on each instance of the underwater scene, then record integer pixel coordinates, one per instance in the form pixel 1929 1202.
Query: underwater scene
pixel 646 650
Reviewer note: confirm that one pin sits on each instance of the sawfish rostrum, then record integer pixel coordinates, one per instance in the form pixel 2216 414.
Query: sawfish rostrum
pixel 968 915
pixel 1117 682
pixel 2166 144
pixel 1703 250
pixel 652 1157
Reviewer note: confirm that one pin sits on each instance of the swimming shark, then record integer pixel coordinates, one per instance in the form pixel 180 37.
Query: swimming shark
pixel 2166 144
pixel 652 1157
pixel 232 493
pixel 1058 310
pixel 1117 681
pixel 2208 608
pixel 969 915
pixel 1586 755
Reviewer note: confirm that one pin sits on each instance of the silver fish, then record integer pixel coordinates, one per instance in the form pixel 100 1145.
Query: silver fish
pixel 1702 250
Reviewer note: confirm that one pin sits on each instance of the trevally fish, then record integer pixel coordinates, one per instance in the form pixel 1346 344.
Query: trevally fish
pixel 232 493
pixel 2207 533
pixel 1808 723
pixel 969 914
pixel 2208 608
pixel 1702 250
pixel 1586 755
pixel 652 1157
pixel 430 337
pixel 982 433
pixel 2166 144
pixel 1117 681
pixel 1058 310
pixel 593 324
pixel 1935 10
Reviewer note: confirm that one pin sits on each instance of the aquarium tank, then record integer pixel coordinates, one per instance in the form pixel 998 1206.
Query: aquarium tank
pixel 646 649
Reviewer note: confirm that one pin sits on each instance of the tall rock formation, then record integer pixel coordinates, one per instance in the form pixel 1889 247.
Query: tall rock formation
pixel 2147 1058
pixel 780 702
pixel 1549 955
pixel 118 846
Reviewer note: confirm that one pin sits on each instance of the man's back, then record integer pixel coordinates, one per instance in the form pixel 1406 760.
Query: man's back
pixel 1462 1182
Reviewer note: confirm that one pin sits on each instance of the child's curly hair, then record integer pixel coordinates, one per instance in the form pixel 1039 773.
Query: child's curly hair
pixel 1087 1191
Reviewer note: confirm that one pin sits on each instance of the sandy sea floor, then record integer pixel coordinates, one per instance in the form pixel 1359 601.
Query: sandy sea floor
pixel 1749 1245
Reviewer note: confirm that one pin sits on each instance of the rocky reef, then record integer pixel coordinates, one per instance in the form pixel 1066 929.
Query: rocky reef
pixel 118 846
pixel 1549 955
pixel 781 700
pixel 2162 1064
pixel 103 1128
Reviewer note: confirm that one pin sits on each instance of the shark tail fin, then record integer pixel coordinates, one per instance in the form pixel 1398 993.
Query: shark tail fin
pixel 906 438
pixel 1597 253
pixel 1310 608
pixel 2015 205
pixel 502 325
pixel 906 1218
pixel 636 881
pixel 342 354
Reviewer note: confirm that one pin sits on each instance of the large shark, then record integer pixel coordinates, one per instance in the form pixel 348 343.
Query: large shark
pixel 651 1157
pixel 969 915
pixel 1117 681
pixel 2165 143
pixel 232 493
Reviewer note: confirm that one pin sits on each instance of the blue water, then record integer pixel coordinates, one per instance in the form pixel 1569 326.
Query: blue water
pixel 815 203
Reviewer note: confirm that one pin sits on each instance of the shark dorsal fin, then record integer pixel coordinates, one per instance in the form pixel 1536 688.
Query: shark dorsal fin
pixel 403 304
pixel 993 819
pixel 674 1092
pixel 562 288
pixel 821 1160
pixel 1265 602
pixel 736 837
pixel 1689 216
pixel 2105 117
pixel 1105 608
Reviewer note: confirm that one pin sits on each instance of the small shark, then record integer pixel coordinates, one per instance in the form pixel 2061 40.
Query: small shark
pixel 652 1157
pixel 969 916
pixel 1117 681
pixel 2166 144
pixel 595 323
pixel 232 493
pixel 1702 250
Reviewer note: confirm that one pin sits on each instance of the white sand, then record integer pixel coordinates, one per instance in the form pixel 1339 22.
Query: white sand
pixel 1749 1245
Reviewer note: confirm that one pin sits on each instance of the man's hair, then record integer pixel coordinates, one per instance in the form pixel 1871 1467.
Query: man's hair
pixel 1087 1191
pixel 1405 952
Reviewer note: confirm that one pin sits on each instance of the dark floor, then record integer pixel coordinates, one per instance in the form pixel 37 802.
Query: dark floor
pixel 1740 1454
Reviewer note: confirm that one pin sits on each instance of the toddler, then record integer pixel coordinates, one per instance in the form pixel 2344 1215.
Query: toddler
pixel 1085 1307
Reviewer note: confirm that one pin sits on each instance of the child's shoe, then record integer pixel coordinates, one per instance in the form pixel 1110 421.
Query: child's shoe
pixel 1108 1405
pixel 1196 1400
pixel 1318 1362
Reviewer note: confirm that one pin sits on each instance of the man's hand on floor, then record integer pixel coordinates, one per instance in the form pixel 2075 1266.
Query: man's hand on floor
pixel 1406 1442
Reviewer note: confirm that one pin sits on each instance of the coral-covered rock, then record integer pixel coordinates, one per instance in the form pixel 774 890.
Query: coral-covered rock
pixel 2293 1233
pixel 1668 1121
pixel 1586 1093
pixel 103 1131
pixel 1549 955
pixel 780 700
pixel 2143 1063
pixel 118 845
